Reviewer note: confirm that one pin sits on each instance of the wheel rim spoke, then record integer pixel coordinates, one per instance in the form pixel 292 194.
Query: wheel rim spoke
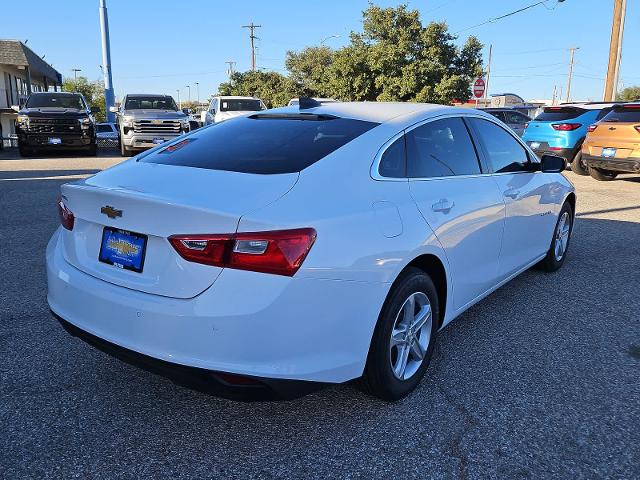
pixel 421 318
pixel 401 363
pixel 417 350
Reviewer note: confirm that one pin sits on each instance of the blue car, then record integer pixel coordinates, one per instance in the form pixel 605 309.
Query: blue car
pixel 560 130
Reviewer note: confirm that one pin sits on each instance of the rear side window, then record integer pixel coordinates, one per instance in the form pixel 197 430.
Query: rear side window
pixel 264 144
pixel 393 163
pixel 498 115
pixel 515 117
pixel 623 115
pixel 504 151
pixel 440 149
pixel 603 113
pixel 554 114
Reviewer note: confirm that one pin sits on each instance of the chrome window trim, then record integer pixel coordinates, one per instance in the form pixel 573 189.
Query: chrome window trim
pixel 375 167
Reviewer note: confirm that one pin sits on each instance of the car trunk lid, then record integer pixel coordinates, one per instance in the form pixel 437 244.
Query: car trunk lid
pixel 157 201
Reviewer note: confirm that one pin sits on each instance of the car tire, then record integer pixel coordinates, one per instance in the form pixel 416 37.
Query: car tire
pixel 602 175
pixel 578 166
pixel 124 151
pixel 560 241
pixel 393 343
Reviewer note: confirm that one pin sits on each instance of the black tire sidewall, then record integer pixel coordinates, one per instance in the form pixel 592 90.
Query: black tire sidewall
pixel 576 165
pixel 378 371
pixel 550 262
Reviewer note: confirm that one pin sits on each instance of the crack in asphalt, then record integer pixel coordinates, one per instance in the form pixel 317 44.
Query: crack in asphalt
pixel 455 447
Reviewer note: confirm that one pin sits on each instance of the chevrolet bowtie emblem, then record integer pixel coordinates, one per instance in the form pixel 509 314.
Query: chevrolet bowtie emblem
pixel 111 212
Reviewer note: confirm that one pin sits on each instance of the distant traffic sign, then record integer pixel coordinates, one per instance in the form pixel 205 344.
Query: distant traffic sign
pixel 478 87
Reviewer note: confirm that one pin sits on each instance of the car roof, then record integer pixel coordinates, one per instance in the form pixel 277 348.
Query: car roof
pixel 236 97
pixel 379 112
pixel 146 95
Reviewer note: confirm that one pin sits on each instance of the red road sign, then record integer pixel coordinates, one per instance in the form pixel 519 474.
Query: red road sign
pixel 478 87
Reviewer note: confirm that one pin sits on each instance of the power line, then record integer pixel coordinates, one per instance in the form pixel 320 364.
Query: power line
pixel 495 19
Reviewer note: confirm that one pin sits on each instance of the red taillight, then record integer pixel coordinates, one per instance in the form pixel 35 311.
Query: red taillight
pixel 566 127
pixel 280 252
pixel 591 128
pixel 66 216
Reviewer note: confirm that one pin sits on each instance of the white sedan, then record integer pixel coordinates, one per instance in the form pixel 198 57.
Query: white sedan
pixel 318 245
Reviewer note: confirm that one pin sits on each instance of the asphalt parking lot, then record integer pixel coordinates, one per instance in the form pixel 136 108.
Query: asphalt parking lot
pixel 539 380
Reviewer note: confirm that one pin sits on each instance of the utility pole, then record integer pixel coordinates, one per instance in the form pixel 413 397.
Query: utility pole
pixel 106 61
pixel 572 51
pixel 252 27
pixel 75 73
pixel 615 50
pixel 486 87
pixel 230 70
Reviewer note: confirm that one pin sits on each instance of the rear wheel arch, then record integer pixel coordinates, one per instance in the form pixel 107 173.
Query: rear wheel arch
pixel 433 266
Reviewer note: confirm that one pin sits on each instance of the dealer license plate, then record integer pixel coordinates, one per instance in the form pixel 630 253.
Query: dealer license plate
pixel 123 249
pixel 608 152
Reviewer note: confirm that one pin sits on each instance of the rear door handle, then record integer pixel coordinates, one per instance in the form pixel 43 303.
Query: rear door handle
pixel 443 206
pixel 512 193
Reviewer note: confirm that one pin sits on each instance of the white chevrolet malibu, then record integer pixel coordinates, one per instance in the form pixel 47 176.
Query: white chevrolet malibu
pixel 302 246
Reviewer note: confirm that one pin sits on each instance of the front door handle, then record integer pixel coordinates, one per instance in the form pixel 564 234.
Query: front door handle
pixel 443 206
pixel 511 193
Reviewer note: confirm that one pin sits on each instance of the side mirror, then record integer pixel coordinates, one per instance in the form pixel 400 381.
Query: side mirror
pixel 15 108
pixel 552 164
pixel 113 109
pixel 95 109
pixel 186 111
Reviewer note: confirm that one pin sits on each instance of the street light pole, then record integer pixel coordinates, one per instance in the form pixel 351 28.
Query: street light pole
pixel 198 92
pixel 179 102
pixel 109 97
pixel 75 73
pixel 189 90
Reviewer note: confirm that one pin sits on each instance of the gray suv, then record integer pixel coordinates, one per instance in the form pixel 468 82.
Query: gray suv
pixel 145 121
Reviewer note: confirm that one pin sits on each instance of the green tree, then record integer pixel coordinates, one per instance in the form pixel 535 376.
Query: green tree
pixel 93 93
pixel 629 94
pixel 394 58
pixel 274 89
pixel 309 70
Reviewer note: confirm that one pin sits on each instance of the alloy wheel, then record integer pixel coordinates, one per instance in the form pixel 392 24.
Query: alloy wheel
pixel 562 236
pixel 410 336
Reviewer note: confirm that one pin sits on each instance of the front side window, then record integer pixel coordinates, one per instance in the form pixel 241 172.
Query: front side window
pixel 262 143
pixel 505 153
pixel 150 102
pixel 441 148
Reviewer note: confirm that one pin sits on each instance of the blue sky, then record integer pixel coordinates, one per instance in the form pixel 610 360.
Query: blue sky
pixel 161 45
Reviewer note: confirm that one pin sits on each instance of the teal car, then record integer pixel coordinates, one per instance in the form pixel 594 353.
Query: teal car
pixel 560 130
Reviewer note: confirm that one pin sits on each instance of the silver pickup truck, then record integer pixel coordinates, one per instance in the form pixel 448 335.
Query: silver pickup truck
pixel 145 121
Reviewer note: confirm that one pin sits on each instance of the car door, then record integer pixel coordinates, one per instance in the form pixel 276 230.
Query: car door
pixel 462 206
pixel 530 198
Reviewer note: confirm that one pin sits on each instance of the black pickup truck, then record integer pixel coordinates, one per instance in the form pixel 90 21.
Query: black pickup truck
pixel 56 121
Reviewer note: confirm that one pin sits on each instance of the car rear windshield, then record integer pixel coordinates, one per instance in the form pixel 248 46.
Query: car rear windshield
pixel 52 100
pixel 262 143
pixel 240 105
pixel 554 114
pixel 624 114
pixel 150 103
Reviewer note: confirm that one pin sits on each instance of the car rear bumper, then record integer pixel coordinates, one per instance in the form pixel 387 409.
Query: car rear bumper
pixel 230 386
pixel 544 149
pixel 631 165
pixel 247 323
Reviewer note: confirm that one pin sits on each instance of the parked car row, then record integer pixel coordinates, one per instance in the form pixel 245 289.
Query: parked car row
pixel 597 139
